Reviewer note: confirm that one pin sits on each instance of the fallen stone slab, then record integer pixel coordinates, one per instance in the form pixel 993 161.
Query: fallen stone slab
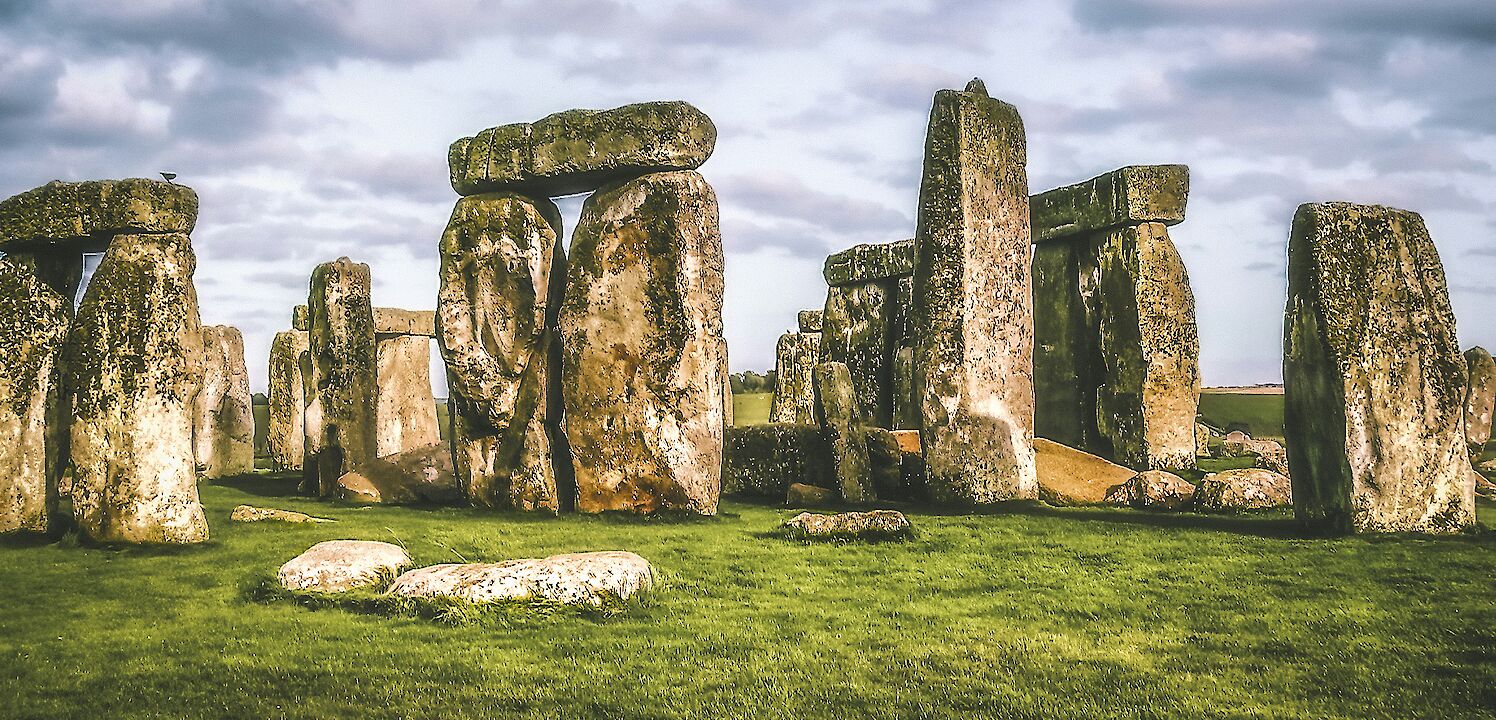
pixel 871 525
pixel 582 150
pixel 1153 490
pixel 250 513
pixel 802 495
pixel 1072 477
pixel 422 474
pixel 1245 489
pixel 91 212
pixel 1127 196
pixel 591 579
pixel 870 262
pixel 342 565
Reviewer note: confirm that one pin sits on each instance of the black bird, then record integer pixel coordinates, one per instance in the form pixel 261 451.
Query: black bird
pixel 168 176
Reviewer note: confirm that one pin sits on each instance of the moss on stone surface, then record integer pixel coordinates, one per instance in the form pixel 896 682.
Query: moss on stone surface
pixel 97 210
pixel 764 460
pixel 1126 196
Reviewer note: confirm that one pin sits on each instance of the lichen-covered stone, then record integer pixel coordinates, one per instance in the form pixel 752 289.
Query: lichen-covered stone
pixel 1374 382
pixel 809 321
pixel 974 357
pixel 223 428
pixel 796 356
pixel 855 331
pixel 1245 489
pixel 1068 476
pixel 501 275
pixel 286 428
pixel 299 318
pixel 422 474
pixel 592 579
pixel 341 433
pixel 96 210
pixel 764 460
pixel 398 321
pixel 1153 490
pixel 1269 454
pixel 838 414
pixel 582 150
pixel 33 410
pixel 342 565
pixel 250 513
pixel 870 262
pixel 641 331
pixel 133 364
pixel 1126 196
pixel 60 268
pixel 405 418
pixel 1202 441
pixel 1480 397
pixel 875 524
pixel 904 333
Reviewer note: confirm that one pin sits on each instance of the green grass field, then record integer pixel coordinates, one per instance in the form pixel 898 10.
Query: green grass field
pixel 1260 415
pixel 750 408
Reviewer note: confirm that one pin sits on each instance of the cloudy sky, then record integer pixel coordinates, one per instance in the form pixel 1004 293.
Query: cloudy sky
pixel 318 129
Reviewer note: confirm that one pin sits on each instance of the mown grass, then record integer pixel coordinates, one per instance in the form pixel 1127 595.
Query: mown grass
pixel 1028 612
pixel 1261 416
pixel 751 408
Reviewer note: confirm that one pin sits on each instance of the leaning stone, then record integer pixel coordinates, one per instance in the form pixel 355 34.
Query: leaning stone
pixel 764 460
pixel 501 274
pixel 87 213
pixel 223 429
pixel 809 321
pixel 343 358
pixel 1374 383
pixel 406 414
pixel 855 331
pixel 1480 397
pixel 33 409
pixel 1071 477
pixel 796 356
pixel 592 579
pixel 641 332
pixel 972 301
pixel 838 414
pixel 582 150
pixel 1152 490
pixel 871 525
pixel 395 321
pixel 1127 196
pixel 1246 489
pixel 250 513
pixel 133 363
pixel 341 565
pixel 867 263
pixel 285 433
pixel 418 475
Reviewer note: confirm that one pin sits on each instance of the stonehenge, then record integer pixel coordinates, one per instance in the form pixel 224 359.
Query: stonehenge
pixel 285 437
pixel 34 414
pixel 339 377
pixel 223 428
pixel 1480 397
pixel 796 356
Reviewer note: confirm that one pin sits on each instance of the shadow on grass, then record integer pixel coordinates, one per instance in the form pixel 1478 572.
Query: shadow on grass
pixel 281 484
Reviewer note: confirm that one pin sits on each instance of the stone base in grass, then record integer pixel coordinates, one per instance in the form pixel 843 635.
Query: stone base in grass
pixel 582 579
pixel 343 565
pixel 872 525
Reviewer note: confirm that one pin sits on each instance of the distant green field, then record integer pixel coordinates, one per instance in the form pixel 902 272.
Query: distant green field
pixel 750 408
pixel 1258 415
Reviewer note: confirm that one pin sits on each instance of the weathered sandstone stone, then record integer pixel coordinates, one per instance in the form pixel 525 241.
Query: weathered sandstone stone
pixel 300 319
pixel 133 363
pixel 794 394
pixel 89 213
pixel 764 460
pixel 809 321
pixel 223 428
pixel 397 321
pixel 972 302
pixel 250 513
pixel 581 150
pixel 1246 489
pixel 406 414
pixel 838 414
pixel 591 579
pixel 60 268
pixel 1153 490
pixel 1480 397
pixel 855 331
pixel 870 262
pixel 343 357
pixel 33 410
pixel 285 434
pixel 501 274
pixel 419 475
pixel 641 333
pixel 904 334
pixel 342 565
pixel 1374 383
pixel 1127 196
pixel 1269 454
pixel 1202 441
pixel 802 495
pixel 874 524
pixel 1071 477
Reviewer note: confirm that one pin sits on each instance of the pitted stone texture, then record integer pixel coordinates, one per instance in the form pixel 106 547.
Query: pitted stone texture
pixel 299 318
pixel 397 321
pixel 1153 490
pixel 974 356
pixel 406 415
pixel 855 331
pixel 809 321
pixel 501 272
pixel 591 579
pixel 581 150
pixel 60 268
pixel 1480 397
pixel 764 460
pixel 1269 454
pixel 838 414
pixel 341 565
pixel 223 429
pixel 418 475
pixel 33 410
pixel 250 513
pixel 1374 383
pixel 133 364
pixel 1127 196
pixel 873 524
pixel 343 357
pixel 1246 489
pixel 91 212
pixel 641 333
pixel 1071 477
pixel 285 434
pixel 870 262
pixel 794 394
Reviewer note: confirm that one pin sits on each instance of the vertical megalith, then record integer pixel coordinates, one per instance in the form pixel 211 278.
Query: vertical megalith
pixel 794 395
pixel 342 357
pixel 285 435
pixel 133 365
pixel 1373 379
pixel 33 412
pixel 406 413
pixel 1480 396
pixel 641 331
pixel 855 331
pixel 974 358
pixel 500 270
pixel 223 428
pixel 841 418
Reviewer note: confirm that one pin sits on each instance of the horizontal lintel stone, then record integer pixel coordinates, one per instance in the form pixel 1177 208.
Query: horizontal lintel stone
pixel 868 262
pixel 83 213
pixel 387 321
pixel 1127 196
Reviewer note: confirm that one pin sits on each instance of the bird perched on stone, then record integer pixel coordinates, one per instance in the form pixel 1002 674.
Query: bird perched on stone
pixel 168 176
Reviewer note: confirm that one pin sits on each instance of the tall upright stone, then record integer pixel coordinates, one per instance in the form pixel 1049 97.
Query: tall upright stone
pixel 223 415
pixel 972 298
pixel 406 413
pixel 641 330
pixel 1480 397
pixel 343 357
pixel 133 364
pixel 855 331
pixel 501 270
pixel 33 412
pixel 842 421
pixel 1373 379
pixel 796 356
pixel 285 436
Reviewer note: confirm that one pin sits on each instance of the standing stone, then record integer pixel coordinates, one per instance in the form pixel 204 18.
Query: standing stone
pixel 855 331
pixel 841 419
pixel 641 333
pixel 134 366
pixel 1374 383
pixel 33 413
pixel 794 394
pixel 223 415
pixel 343 356
pixel 903 334
pixel 406 413
pixel 1068 366
pixel 808 321
pixel 971 287
pixel 60 268
pixel 1480 396
pixel 286 432
pixel 500 274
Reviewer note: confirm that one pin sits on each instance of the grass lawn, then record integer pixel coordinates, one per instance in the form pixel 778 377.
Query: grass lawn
pixel 1261 415
pixel 1029 612
pixel 751 408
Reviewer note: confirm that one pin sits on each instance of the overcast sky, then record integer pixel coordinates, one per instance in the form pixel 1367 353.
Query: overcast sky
pixel 318 129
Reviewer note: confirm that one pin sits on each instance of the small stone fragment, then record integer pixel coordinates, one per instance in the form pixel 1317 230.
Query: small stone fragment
pixel 1153 490
pixel 341 565
pixel 592 579
pixel 250 513
pixel 871 525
